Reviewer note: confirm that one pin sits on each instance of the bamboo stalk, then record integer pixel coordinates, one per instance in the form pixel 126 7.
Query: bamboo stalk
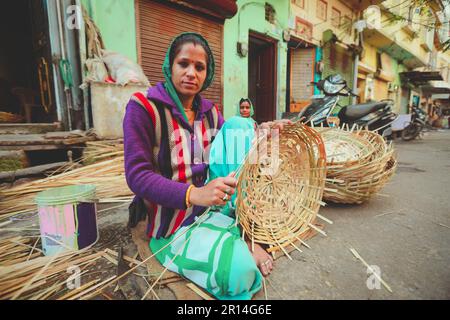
pixel 81 295
pixel 198 291
pixel 25 287
pixel 356 254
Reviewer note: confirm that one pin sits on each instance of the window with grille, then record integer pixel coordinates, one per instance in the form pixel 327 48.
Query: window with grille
pixel 270 13
pixel 335 17
pixel 346 24
pixel 321 12
pixel 299 3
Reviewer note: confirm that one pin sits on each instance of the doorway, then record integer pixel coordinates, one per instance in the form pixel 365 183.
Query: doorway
pixel 26 83
pixel 300 74
pixel 262 86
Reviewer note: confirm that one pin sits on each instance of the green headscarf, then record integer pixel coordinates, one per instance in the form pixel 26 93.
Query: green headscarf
pixel 167 70
pixel 238 111
pixel 252 111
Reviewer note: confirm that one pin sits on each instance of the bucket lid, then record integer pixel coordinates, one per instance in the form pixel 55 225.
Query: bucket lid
pixel 66 195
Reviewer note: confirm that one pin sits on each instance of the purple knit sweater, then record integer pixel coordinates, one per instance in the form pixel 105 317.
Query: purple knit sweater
pixel 138 136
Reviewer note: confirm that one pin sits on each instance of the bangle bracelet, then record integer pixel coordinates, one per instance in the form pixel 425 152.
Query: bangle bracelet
pixel 188 193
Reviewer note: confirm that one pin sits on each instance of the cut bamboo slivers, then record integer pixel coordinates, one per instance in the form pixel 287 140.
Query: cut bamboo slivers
pixel 26 274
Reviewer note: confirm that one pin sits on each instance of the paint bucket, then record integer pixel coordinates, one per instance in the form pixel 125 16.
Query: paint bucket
pixel 67 218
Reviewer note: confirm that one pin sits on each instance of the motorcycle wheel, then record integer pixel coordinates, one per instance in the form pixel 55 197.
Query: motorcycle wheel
pixel 410 132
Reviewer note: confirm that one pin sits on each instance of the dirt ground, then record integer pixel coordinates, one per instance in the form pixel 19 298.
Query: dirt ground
pixel 405 233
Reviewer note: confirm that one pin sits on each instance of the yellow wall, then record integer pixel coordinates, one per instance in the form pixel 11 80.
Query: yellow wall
pixel 398 31
pixel 319 26
pixel 370 56
pixel 443 64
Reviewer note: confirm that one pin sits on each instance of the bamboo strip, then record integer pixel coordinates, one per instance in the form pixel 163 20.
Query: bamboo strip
pixel 356 254
pixel 81 295
pixel 25 287
pixel 198 291
pixel 77 290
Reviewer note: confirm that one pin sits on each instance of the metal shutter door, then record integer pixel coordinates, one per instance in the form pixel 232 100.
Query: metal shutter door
pixel 302 74
pixel 157 25
pixel 381 89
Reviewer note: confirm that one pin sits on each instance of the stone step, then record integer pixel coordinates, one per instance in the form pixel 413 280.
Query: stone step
pixel 29 128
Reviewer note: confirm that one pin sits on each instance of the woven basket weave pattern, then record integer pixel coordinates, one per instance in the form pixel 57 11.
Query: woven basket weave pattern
pixel 277 209
pixel 366 162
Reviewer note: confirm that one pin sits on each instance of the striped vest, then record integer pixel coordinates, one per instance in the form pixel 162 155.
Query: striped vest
pixel 170 141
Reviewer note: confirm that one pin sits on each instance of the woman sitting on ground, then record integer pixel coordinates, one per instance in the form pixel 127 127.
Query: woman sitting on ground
pixel 165 132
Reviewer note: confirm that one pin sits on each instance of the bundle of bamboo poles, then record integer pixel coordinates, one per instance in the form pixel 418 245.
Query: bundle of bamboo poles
pixel 359 163
pixel 108 176
pixel 101 150
pixel 277 208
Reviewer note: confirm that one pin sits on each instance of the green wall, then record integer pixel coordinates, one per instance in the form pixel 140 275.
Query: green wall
pixel 252 17
pixel 117 23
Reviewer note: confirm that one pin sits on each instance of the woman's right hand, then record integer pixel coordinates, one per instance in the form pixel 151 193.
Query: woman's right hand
pixel 214 192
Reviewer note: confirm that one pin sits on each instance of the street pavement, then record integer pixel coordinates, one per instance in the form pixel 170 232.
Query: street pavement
pixel 404 234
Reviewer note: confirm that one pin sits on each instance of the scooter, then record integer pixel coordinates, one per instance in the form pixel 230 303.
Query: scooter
pixel 416 126
pixel 375 116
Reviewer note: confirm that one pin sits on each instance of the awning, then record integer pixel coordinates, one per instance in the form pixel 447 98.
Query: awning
pixel 419 78
pixel 441 97
pixel 362 4
pixel 435 90
pixel 225 8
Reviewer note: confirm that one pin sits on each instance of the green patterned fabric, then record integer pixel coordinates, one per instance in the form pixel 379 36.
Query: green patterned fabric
pixel 212 254
pixel 229 150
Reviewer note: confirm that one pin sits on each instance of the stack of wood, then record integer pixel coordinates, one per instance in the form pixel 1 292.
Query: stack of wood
pixel 18 147
pixel 45 141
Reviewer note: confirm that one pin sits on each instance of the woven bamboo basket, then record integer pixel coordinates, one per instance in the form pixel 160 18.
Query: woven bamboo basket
pixel 277 209
pixel 359 163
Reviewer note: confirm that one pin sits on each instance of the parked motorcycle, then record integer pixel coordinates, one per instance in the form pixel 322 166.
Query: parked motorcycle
pixel 375 116
pixel 416 126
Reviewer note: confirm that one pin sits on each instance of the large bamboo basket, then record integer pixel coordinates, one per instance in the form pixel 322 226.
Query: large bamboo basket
pixel 277 209
pixel 359 163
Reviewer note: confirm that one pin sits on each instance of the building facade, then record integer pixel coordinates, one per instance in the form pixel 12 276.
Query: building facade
pixel 400 56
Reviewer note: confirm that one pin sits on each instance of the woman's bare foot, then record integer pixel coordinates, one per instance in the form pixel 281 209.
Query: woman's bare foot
pixel 263 260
